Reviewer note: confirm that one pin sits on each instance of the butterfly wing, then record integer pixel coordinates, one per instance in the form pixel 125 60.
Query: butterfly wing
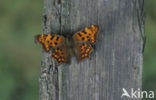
pixel 83 51
pixel 89 34
pixel 56 43
pixel 84 40
pixel 60 54
pixel 49 41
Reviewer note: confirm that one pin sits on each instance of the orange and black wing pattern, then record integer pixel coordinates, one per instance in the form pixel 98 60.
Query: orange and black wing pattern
pixel 49 41
pixel 60 54
pixel 56 44
pixel 89 34
pixel 84 40
pixel 83 51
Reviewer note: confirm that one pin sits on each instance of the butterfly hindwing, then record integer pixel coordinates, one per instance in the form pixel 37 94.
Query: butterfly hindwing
pixel 84 40
pixel 83 51
pixel 50 41
pixel 60 54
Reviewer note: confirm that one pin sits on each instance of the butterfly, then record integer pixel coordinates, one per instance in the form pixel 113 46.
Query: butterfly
pixel 80 44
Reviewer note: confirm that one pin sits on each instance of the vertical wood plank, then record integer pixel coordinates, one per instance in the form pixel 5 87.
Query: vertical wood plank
pixel 117 60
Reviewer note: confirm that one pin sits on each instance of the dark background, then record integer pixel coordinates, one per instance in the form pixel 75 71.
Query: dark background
pixel 20 21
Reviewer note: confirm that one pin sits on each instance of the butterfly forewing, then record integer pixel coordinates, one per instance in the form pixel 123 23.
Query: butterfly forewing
pixel 88 34
pixel 49 41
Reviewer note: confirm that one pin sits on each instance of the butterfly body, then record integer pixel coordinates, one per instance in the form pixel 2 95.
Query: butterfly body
pixel 79 45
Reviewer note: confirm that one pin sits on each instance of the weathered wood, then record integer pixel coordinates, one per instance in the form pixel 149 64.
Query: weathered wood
pixel 117 60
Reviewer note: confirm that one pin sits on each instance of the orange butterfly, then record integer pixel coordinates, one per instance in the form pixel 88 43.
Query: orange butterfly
pixel 62 48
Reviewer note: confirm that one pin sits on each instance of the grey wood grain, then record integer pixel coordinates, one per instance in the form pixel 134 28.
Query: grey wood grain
pixel 117 60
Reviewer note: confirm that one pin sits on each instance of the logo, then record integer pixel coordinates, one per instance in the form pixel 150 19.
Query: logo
pixel 137 93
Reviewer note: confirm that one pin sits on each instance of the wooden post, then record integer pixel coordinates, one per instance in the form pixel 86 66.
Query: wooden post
pixel 117 60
